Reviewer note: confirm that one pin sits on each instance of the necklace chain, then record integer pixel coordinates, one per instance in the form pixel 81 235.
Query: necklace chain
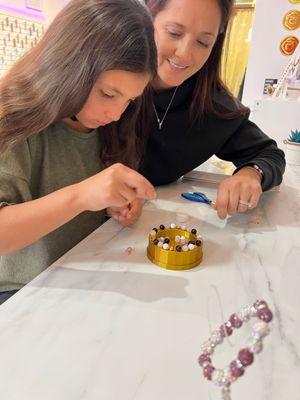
pixel 161 121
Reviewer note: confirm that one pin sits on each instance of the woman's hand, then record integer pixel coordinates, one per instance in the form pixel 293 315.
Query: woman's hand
pixel 116 186
pixel 243 187
pixel 127 215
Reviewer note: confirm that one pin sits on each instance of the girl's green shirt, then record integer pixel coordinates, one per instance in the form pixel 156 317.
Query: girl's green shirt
pixel 44 163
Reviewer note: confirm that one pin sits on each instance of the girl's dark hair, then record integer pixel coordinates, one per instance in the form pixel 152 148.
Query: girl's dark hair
pixel 55 78
pixel 209 80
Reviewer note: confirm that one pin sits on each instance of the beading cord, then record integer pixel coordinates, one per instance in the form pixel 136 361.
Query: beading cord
pixel 225 377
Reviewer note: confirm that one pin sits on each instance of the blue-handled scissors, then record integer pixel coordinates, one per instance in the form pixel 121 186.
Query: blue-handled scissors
pixel 198 197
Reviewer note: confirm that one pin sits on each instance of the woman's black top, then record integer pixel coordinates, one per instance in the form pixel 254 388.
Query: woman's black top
pixel 181 146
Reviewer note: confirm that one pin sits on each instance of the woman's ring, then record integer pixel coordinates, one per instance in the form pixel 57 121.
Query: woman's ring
pixel 245 203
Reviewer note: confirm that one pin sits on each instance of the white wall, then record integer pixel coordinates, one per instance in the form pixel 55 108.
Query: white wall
pixel 52 7
pixel 266 60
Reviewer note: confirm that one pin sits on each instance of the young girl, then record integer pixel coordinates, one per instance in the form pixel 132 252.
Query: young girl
pixel 194 115
pixel 67 110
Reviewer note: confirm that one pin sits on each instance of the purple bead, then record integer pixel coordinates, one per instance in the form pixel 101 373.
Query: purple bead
pixel 245 357
pixel 265 314
pixel 207 371
pixel 235 370
pixel 225 330
pixel 235 321
pixel 260 304
pixel 204 358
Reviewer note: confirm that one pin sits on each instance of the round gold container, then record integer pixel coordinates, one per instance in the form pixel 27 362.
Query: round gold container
pixel 172 259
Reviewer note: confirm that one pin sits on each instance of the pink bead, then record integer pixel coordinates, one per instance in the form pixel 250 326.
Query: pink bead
pixel 235 321
pixel 245 357
pixel 265 314
pixel 129 250
pixel 235 370
pixel 225 330
pixel 260 304
pixel 207 371
pixel 203 358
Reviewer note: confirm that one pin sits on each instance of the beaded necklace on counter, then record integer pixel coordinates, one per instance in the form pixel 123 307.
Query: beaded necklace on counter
pixel 225 377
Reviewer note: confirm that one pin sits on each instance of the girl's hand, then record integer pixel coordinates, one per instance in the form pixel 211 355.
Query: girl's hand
pixel 115 186
pixel 244 186
pixel 128 215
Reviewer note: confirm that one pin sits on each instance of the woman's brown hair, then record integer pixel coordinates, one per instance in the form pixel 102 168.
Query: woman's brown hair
pixel 209 80
pixel 54 79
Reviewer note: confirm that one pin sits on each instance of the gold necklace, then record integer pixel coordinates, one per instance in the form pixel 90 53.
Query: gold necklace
pixel 160 122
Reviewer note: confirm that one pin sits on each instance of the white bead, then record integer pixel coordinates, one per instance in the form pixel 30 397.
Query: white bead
pixel 217 377
pixel 177 239
pixel 166 246
pixel 199 237
pixel 173 226
pixel 216 337
pixel 153 233
pixel 160 244
pixel 255 346
pixel 261 328
pixel 185 248
pixel 245 313
pixel 207 347
pixel 161 239
pixel 183 227
pixel 183 238
pixel 253 311
pixel 191 246
pixel 171 248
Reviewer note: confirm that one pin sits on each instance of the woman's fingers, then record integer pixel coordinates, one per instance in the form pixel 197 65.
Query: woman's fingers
pixel 238 193
pixel 222 202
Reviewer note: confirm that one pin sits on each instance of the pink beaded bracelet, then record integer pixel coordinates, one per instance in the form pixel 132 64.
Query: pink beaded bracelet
pixel 224 377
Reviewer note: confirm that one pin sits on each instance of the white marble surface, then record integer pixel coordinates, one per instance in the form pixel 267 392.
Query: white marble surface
pixel 104 325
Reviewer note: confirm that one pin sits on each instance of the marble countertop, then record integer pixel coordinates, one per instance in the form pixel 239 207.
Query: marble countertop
pixel 101 324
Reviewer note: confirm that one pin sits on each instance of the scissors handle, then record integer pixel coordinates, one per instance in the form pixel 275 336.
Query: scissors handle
pixel 197 197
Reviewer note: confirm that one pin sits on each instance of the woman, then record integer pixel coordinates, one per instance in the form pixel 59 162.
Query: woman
pixel 194 115
pixel 60 109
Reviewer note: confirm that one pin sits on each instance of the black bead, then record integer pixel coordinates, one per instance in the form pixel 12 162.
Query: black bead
pixel 162 227
pixel 198 242
pixel 155 229
pixel 194 231
pixel 167 240
pixel 190 242
pixel 178 248
pixel 155 241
